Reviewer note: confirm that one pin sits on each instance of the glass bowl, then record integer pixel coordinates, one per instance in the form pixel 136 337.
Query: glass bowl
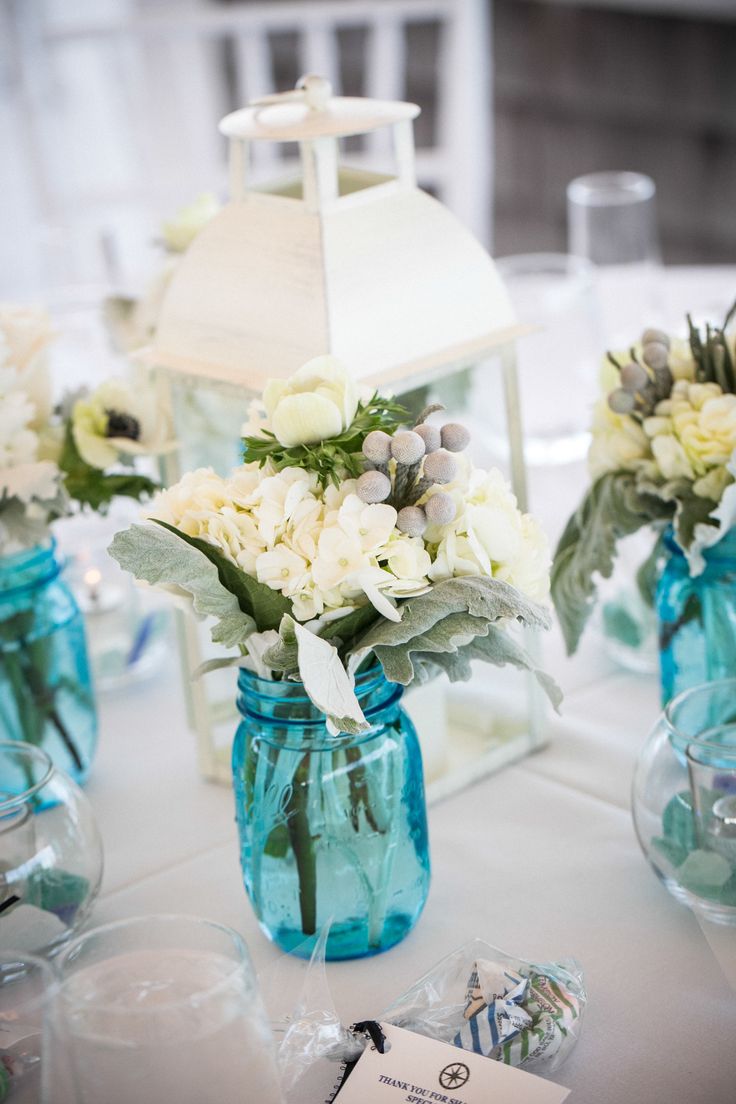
pixel 50 852
pixel 684 799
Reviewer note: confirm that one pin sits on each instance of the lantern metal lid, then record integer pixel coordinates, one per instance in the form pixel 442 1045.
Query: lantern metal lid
pixel 362 265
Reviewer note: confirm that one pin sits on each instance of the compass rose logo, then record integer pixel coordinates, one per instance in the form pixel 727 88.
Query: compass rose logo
pixel 454 1075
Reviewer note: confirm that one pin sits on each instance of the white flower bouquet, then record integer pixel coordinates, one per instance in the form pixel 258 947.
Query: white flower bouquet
pixel 662 454
pixel 55 459
pixel 80 452
pixel 344 536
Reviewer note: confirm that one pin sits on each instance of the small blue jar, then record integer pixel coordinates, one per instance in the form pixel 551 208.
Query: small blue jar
pixel 697 617
pixel 46 696
pixel 331 827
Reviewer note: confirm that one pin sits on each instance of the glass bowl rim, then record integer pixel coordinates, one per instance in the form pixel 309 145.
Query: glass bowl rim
pixel 9 803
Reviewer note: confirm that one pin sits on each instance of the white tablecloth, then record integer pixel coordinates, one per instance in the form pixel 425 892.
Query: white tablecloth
pixel 540 860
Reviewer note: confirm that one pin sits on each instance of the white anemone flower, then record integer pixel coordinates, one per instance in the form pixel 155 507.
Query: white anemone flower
pixel 120 419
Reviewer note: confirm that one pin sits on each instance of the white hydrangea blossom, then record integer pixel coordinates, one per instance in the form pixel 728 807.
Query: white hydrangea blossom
pixel 327 551
pixel 489 535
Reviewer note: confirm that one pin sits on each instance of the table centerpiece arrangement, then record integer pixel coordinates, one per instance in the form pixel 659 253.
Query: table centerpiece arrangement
pixel 54 461
pixel 347 558
pixel 662 456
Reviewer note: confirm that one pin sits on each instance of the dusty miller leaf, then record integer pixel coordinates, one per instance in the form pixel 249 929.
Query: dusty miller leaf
pixel 159 557
pixel 447 635
pixel 479 596
pixel 494 644
pixel 327 683
pixel 216 665
pixel 613 508
pixel 265 606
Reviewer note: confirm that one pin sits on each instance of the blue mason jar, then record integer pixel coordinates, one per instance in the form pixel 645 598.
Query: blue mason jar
pixel 46 696
pixel 697 617
pixel 331 827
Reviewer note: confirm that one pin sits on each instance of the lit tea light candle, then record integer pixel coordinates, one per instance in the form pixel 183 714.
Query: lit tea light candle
pixel 96 594
pixel 92 580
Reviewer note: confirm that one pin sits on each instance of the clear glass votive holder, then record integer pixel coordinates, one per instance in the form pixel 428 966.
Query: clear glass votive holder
pixel 163 1008
pixel 50 852
pixel 684 799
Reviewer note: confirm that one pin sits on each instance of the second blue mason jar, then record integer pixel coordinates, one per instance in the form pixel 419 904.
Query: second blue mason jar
pixel 46 695
pixel 331 827
pixel 697 617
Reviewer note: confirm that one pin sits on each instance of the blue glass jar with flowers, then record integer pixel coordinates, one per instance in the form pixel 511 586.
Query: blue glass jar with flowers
pixel 663 457
pixel 56 458
pixel 354 552
pixel 333 828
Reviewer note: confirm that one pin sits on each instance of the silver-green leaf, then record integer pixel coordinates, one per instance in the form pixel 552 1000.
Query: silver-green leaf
pixel 327 683
pixel 157 556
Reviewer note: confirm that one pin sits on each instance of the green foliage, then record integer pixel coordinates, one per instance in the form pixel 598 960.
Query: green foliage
pixel 648 572
pixel 479 597
pixel 92 487
pixel 712 355
pixel 264 605
pixel 333 459
pixel 157 556
pixel 345 630
pixel 613 508
pixel 687 509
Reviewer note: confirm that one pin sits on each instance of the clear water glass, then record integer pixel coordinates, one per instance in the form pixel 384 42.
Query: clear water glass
pixel 162 1008
pixel 553 295
pixel 612 222
pixel 26 987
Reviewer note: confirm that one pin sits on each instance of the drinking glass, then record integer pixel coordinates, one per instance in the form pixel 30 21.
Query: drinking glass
pixel 557 359
pixel 163 1008
pixel 25 986
pixel 612 222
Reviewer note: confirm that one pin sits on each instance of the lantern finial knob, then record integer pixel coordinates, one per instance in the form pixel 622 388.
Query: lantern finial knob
pixel 317 90
pixel 311 90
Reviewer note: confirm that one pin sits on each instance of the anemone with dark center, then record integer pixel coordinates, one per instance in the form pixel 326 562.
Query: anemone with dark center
pixel 120 424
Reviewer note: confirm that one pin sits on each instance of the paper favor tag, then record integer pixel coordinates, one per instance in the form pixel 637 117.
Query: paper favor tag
pixel 417 1070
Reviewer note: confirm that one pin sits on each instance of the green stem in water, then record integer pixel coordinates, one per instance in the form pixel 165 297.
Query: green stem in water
pixel 668 630
pixel 302 845
pixel 35 687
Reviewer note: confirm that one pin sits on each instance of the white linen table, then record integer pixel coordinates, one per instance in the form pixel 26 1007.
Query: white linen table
pixel 540 860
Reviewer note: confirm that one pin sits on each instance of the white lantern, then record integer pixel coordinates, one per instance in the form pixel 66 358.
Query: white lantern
pixel 362 265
